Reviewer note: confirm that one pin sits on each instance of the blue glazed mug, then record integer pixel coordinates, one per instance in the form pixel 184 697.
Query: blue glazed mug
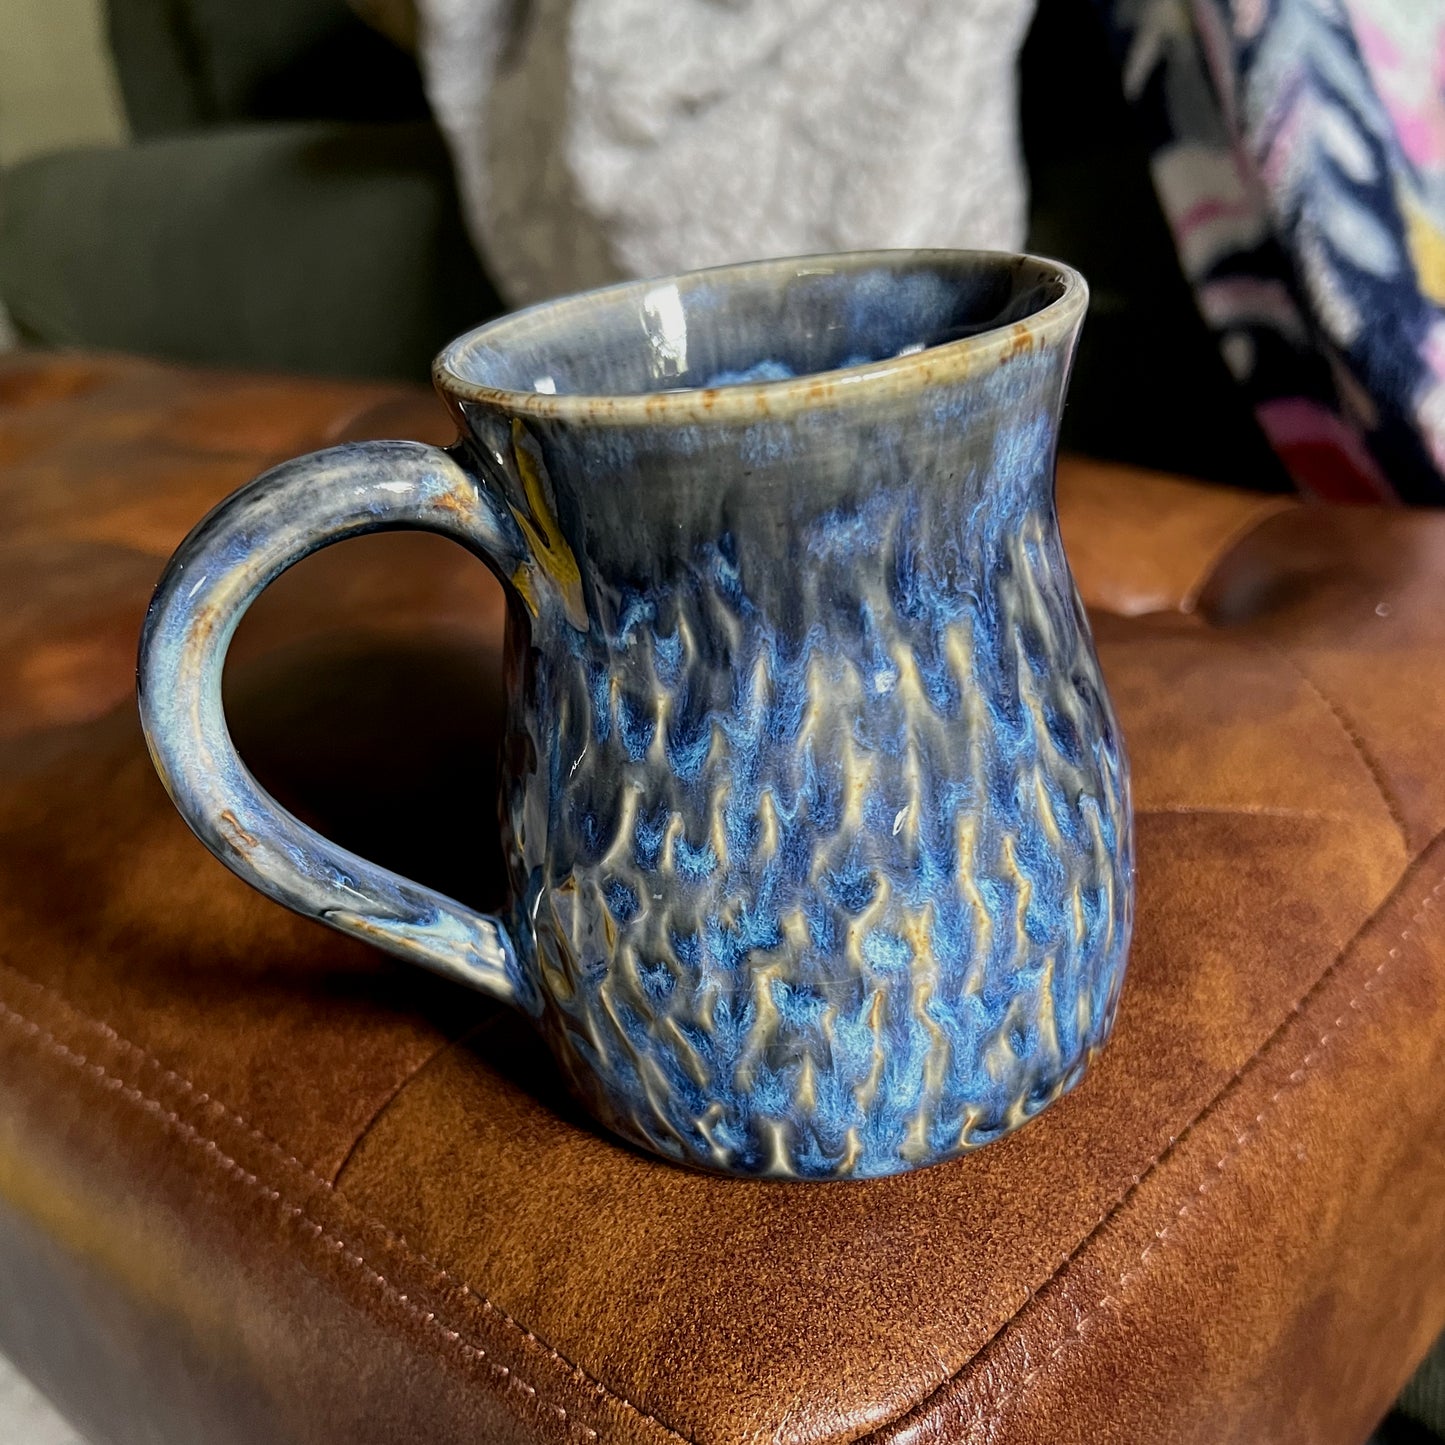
pixel 816 812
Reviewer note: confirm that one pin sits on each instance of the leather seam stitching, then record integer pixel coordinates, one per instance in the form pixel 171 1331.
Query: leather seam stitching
pixel 1207 1111
pixel 1240 1142
pixel 197 1137
pixel 207 1144
pixel 1356 740
pixel 201 1097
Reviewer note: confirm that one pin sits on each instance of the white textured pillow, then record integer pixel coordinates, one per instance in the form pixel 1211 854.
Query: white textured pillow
pixel 601 139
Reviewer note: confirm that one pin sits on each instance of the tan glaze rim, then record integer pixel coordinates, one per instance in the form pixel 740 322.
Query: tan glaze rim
pixel 952 361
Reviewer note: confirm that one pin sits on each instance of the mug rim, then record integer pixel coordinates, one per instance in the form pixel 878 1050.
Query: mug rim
pixel 950 361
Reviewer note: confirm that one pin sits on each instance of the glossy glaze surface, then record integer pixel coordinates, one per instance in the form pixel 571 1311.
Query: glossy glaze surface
pixel 816 811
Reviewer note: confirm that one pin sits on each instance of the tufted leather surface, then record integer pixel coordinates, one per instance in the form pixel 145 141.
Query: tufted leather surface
pixel 257 1183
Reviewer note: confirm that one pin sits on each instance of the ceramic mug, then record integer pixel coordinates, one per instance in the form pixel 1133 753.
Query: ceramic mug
pixel 815 809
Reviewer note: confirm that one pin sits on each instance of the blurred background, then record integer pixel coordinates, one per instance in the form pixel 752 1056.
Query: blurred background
pixel 264 185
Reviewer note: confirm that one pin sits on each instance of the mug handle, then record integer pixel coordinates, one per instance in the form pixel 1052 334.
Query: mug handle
pixel 230 557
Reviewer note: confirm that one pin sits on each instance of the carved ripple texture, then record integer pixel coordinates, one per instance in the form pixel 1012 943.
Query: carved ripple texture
pixel 844 857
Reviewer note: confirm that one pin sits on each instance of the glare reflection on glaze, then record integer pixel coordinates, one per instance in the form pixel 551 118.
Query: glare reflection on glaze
pixel 815 809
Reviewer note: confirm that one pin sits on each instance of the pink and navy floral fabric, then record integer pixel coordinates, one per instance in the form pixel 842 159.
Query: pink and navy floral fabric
pixel 1298 149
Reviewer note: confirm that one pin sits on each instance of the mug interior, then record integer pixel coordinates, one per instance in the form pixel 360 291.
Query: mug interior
pixel 757 323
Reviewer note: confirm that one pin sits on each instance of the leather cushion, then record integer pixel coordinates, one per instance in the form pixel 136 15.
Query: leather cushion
pixel 257 1182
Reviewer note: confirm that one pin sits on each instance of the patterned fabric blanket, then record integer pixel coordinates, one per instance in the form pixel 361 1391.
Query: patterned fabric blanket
pixel 1298 149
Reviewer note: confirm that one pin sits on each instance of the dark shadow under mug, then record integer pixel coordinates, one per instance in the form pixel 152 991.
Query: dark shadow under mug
pixel 816 813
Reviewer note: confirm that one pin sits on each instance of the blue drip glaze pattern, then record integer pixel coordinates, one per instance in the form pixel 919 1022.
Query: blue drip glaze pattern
pixel 826 853
pixel 815 806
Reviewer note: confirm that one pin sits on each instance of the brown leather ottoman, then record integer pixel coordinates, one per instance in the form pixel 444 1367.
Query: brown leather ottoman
pixel 259 1184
